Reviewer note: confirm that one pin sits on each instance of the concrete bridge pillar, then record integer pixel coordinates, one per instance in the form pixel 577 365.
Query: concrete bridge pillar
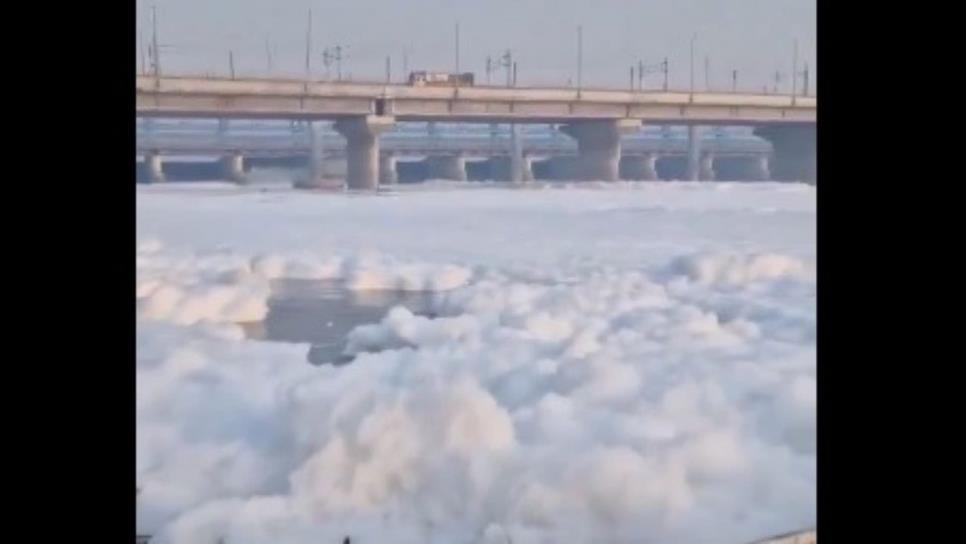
pixel 599 147
pixel 640 167
pixel 759 168
pixel 794 155
pixel 706 171
pixel 387 169
pixel 448 167
pixel 154 167
pixel 502 169
pixel 362 148
pixel 233 167
pixel 314 167
pixel 694 154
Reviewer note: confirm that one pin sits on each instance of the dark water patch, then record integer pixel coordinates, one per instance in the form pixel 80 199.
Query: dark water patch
pixel 322 313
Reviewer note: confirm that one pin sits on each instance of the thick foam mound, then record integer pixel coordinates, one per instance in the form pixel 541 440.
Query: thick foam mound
pixel 739 269
pixel 658 390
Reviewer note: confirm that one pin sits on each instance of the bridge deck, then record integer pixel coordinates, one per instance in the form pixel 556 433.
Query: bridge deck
pixel 278 98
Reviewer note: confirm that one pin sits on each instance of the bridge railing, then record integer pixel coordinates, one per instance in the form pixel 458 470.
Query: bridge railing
pixel 292 78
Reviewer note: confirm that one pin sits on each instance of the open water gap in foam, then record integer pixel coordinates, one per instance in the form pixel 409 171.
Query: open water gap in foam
pixel 322 313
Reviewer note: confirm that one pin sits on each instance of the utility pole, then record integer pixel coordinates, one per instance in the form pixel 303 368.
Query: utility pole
pixel 506 61
pixel 457 47
pixel 514 73
pixel 632 78
pixel 231 64
pixel 693 37
pixel 388 69
pixel 144 64
pixel 640 75
pixel 155 56
pixel 734 81
pixel 805 81
pixel 489 68
pixel 794 71
pixel 338 61
pixel 405 62
pixel 308 48
pixel 330 55
pixel 268 56
pixel 665 74
pixel 580 58
pixel 778 78
pixel 707 73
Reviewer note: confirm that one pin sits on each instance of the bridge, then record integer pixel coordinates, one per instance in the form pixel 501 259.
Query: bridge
pixel 652 153
pixel 596 119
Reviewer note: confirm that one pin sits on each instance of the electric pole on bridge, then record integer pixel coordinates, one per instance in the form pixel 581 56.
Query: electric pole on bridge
pixel 308 48
pixel 268 56
pixel 693 38
pixel 707 73
pixel 333 55
pixel 155 54
pixel 580 58
pixel 457 48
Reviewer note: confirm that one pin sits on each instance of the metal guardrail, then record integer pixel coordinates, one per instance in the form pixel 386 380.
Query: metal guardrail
pixel 294 78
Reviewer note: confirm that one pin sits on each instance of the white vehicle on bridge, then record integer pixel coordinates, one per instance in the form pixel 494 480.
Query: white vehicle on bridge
pixel 440 79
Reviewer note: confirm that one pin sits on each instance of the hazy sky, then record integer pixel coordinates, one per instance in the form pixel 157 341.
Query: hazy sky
pixel 756 37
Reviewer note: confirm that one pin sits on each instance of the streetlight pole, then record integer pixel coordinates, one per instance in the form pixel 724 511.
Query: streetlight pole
pixel 144 64
pixel 580 58
pixel 457 47
pixel 693 37
pixel 154 43
pixel 308 48
pixel 805 81
pixel 665 74
pixel 707 73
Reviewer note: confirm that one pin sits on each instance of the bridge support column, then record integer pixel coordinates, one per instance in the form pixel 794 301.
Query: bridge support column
pixel 448 167
pixel 599 147
pixel 759 169
pixel 640 167
pixel 154 167
pixel 387 169
pixel 694 153
pixel 794 155
pixel 233 167
pixel 706 171
pixel 501 169
pixel 362 148
pixel 315 167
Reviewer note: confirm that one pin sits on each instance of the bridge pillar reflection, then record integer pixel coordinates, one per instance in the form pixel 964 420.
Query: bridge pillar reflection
pixel 759 169
pixel 599 147
pixel 794 151
pixel 233 167
pixel 502 169
pixel 706 171
pixel 694 153
pixel 315 165
pixel 154 167
pixel 640 167
pixel 362 148
pixel 387 169
pixel 451 167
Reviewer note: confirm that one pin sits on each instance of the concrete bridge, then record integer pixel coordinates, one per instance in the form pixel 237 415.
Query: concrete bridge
pixel 595 119
pixel 409 154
